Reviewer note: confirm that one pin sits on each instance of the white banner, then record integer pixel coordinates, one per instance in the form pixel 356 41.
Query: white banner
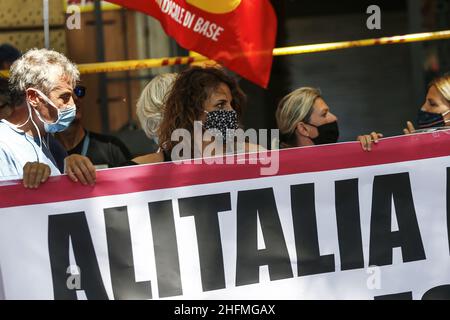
pixel 334 223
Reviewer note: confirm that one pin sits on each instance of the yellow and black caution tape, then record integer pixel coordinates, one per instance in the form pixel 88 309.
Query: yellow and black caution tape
pixel 132 65
pixel 311 48
pixel 136 64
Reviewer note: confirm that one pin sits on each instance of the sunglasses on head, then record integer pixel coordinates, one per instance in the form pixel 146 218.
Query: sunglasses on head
pixel 79 91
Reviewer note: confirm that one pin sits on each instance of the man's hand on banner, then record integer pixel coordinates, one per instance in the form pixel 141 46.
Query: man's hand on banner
pixel 80 168
pixel 35 173
pixel 409 128
pixel 367 140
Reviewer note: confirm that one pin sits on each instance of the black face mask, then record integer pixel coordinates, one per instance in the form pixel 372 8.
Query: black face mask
pixel 428 120
pixel 222 123
pixel 328 133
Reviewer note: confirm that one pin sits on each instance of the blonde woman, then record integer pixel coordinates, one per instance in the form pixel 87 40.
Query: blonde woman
pixel 304 119
pixel 150 110
pixel 435 112
pixel 150 106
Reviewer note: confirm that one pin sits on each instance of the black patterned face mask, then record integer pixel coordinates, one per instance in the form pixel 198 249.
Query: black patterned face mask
pixel 222 123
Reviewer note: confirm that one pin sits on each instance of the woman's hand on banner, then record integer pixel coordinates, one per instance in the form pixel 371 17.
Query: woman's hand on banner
pixel 366 140
pixel 409 128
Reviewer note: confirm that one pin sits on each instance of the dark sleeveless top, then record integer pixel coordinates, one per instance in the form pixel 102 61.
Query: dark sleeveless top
pixel 167 156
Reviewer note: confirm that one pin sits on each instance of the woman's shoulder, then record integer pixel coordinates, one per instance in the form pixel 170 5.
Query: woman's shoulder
pixel 150 158
pixel 251 147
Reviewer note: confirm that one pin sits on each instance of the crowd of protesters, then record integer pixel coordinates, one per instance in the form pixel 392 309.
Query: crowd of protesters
pixel 41 132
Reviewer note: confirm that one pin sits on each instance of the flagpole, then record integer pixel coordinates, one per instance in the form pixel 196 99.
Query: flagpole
pixel 45 13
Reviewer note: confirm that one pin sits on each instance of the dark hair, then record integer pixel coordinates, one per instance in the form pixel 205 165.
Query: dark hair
pixel 186 99
pixel 5 96
pixel 8 53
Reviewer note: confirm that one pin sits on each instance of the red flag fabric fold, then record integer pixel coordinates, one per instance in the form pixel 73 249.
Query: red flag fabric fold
pixel 240 34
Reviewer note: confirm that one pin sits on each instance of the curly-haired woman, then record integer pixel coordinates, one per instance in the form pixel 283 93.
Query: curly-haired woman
pixel 203 109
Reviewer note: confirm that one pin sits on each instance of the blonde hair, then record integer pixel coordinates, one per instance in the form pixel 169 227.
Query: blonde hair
pixel 443 85
pixel 150 106
pixel 295 107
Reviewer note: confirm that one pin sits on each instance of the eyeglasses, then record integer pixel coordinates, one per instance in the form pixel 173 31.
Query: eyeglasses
pixel 79 91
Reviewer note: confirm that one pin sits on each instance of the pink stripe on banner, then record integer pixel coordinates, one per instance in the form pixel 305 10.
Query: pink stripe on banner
pixel 170 175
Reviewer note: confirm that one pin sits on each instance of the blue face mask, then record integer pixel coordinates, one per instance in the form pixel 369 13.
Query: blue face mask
pixel 65 116
pixel 428 119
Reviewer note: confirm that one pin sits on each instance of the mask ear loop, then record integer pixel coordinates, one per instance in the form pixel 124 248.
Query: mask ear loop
pixel 34 124
pixel 43 96
pixel 36 127
pixel 444 114
pixel 312 125
pixel 28 119
pixel 39 133
pixel 203 124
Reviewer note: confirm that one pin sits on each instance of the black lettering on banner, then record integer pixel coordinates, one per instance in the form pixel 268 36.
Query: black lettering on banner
pixel 204 209
pixel 396 296
pixel 349 224
pixel 120 255
pixel 63 229
pixel 250 205
pixel 166 249
pixel 397 188
pixel 438 293
pixel 309 260
pixel 448 208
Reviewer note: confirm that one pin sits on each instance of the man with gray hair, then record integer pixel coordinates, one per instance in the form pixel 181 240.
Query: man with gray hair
pixel 41 91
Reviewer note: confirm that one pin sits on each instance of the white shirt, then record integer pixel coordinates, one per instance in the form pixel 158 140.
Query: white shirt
pixel 16 149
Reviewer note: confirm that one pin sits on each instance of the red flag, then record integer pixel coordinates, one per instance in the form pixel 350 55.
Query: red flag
pixel 240 34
